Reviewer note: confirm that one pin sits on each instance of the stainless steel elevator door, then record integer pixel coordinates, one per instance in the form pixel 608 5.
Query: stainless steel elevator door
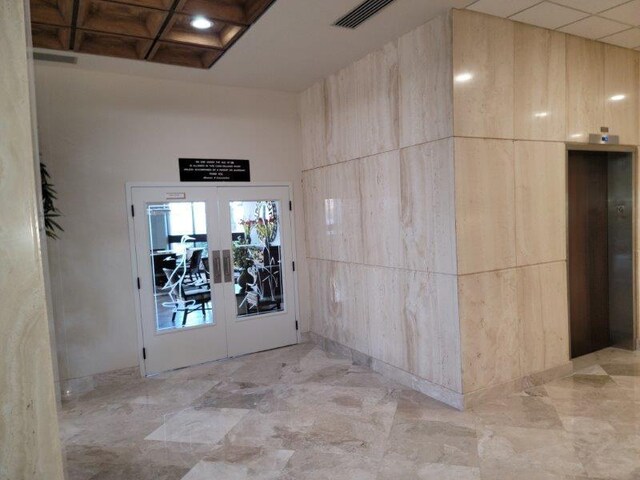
pixel 620 236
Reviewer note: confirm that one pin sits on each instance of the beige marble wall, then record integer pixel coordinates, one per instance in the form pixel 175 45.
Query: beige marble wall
pixel 379 200
pixel 483 58
pixel 585 95
pixel 539 83
pixel 621 76
pixel 426 94
pixel 28 423
pixel 455 223
pixel 511 184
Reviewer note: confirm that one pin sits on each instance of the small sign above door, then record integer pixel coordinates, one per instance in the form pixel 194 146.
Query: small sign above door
pixel 214 170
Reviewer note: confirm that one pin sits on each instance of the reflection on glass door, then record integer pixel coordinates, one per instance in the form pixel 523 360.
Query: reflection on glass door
pixel 178 254
pixel 257 254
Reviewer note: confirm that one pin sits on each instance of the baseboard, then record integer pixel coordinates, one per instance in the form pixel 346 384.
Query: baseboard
pixel 514 386
pixel 460 401
pixel 406 379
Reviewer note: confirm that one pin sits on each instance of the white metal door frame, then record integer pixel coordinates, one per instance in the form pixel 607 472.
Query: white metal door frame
pixel 129 186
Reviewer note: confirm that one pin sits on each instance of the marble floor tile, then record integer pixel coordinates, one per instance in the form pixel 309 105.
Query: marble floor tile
pixel 399 468
pixel 273 430
pixel 594 387
pixel 318 464
pixel 241 463
pixel 609 455
pixel 622 369
pixel 122 424
pixel 519 411
pixel 351 434
pixel 170 392
pixel 425 442
pixel 198 426
pixel 232 395
pixel 413 406
pixel 510 450
pixel 300 413
pixel 630 384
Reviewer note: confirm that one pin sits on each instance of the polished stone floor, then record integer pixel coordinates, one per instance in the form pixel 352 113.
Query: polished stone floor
pixel 299 414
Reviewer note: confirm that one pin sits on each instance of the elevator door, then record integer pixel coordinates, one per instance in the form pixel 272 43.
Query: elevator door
pixel 600 248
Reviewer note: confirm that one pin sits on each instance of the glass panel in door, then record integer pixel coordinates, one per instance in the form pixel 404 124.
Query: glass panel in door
pixel 180 291
pixel 178 255
pixel 260 311
pixel 257 257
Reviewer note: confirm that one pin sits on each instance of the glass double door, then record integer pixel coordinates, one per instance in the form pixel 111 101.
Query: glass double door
pixel 215 272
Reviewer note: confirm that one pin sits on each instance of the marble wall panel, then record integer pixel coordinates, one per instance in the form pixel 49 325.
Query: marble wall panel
pixel 429 305
pixel 540 214
pixel 539 79
pixel 377 126
pixel 342 115
pixel 391 338
pixel 319 295
pixel 28 419
pixel 543 316
pixel 428 207
pixel 483 56
pixel 621 92
pixel 346 319
pixel 381 224
pixel 426 88
pixel 489 329
pixel 485 210
pixel 585 88
pixel 343 211
pixel 315 234
pixel 313 119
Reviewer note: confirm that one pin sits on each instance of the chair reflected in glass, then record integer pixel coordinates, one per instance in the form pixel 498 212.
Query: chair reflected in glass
pixel 187 286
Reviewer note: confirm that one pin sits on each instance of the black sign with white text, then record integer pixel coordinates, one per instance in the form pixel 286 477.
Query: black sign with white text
pixel 214 170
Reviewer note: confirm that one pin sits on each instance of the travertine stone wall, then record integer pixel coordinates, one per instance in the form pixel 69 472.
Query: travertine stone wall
pixel 29 445
pixel 530 90
pixel 435 195
pixel 379 196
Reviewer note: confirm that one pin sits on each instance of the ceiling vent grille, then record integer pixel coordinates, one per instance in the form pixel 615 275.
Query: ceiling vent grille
pixel 362 13
pixel 52 57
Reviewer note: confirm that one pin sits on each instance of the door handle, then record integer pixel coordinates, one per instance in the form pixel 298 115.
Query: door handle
pixel 215 261
pixel 226 265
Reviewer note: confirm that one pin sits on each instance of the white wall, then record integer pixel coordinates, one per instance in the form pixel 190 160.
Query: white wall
pixel 99 131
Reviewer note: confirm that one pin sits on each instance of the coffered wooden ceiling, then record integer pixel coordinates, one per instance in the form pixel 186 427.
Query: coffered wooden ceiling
pixel 153 30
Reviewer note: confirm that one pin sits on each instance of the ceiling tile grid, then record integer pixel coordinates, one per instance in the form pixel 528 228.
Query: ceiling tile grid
pixel 161 31
pixel 611 21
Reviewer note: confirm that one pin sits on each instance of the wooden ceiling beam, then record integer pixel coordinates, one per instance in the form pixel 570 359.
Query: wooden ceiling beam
pixel 153 30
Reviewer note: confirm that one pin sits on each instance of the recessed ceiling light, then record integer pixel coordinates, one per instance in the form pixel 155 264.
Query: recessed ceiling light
pixel 463 77
pixel 541 114
pixel 201 23
pixel 617 98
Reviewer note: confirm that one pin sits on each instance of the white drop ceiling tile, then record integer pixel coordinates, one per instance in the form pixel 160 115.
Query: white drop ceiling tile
pixel 549 15
pixel 502 8
pixel 628 13
pixel 594 27
pixel 591 6
pixel 629 38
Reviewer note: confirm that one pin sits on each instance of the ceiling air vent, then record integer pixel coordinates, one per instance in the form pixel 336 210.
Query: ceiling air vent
pixel 52 57
pixel 362 13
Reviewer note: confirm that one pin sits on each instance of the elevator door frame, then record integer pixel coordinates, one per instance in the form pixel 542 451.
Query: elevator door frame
pixel 633 151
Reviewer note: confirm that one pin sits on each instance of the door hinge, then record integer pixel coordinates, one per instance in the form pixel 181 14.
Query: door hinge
pixel 138 283
pixel 144 353
pixel 297 328
pixel 133 211
pixel 290 205
pixel 293 264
